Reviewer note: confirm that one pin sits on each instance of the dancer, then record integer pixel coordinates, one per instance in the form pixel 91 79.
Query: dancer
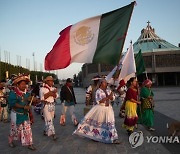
pixel 3 103
pixel 20 123
pixel 122 89
pixel 147 104
pixel 131 116
pixel 99 122
pixel 91 91
pixel 48 94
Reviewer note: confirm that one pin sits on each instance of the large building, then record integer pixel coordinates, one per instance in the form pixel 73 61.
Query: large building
pixel 162 60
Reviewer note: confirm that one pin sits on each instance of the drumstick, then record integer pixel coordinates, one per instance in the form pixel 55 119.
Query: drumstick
pixel 31 101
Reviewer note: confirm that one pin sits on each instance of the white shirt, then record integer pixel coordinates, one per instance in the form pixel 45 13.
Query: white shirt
pixel 44 90
pixel 123 89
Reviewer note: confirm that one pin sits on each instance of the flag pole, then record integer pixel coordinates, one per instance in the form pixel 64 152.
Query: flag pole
pixel 124 39
pixel 127 30
pixel 139 94
pixel 146 75
pixel 138 98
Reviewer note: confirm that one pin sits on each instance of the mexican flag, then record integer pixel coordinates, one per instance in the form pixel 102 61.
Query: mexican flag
pixel 99 39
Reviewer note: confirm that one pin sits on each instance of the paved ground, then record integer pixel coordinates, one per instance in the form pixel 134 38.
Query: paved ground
pixel 167 110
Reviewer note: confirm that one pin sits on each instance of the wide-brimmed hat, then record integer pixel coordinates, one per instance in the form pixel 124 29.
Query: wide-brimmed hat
pixel 21 77
pixel 102 80
pixel 97 77
pixel 48 78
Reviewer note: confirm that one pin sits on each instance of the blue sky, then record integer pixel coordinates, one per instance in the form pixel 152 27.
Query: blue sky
pixel 28 26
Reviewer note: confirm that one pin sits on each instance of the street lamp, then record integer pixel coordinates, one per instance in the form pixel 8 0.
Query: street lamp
pixel 34 59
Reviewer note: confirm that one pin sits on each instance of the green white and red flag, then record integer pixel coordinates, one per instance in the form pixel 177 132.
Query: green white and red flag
pixel 99 39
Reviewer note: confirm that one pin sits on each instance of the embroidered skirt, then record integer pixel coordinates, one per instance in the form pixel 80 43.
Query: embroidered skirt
pixel 98 124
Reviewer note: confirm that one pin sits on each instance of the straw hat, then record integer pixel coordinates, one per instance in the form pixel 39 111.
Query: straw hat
pixel 21 77
pixel 48 78
pixel 97 77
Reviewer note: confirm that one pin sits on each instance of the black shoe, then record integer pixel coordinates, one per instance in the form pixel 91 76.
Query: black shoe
pixel 129 132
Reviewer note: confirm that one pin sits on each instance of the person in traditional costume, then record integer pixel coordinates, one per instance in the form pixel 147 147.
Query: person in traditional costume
pixel 122 89
pixel 90 94
pixel 68 101
pixel 48 94
pixel 3 103
pixel 99 123
pixel 131 99
pixel 147 106
pixel 20 102
pixel 91 91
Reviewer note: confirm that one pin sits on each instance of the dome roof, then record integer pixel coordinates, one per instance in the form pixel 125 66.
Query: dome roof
pixel 149 42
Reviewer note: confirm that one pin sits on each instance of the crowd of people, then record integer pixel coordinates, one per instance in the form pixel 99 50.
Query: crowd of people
pixel 136 108
pixel 98 124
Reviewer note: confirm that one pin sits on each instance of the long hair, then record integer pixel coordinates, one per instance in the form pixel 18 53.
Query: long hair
pixel 130 81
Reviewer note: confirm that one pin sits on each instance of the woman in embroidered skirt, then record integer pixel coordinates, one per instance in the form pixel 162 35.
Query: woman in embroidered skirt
pixel 131 116
pixel 20 122
pixel 147 104
pixel 99 122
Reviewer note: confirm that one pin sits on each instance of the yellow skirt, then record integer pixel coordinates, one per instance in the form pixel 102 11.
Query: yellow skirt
pixel 131 116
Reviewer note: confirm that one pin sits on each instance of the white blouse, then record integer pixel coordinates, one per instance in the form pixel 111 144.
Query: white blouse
pixel 100 94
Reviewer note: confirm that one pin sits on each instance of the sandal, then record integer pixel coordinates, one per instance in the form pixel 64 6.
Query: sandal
pixel 31 147
pixel 54 138
pixel 76 122
pixel 151 129
pixel 12 145
pixel 63 124
pixel 116 142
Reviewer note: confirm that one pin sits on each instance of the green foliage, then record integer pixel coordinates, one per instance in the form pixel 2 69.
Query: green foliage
pixel 18 70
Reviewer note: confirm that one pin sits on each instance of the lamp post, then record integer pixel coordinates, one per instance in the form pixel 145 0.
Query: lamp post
pixel 34 59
